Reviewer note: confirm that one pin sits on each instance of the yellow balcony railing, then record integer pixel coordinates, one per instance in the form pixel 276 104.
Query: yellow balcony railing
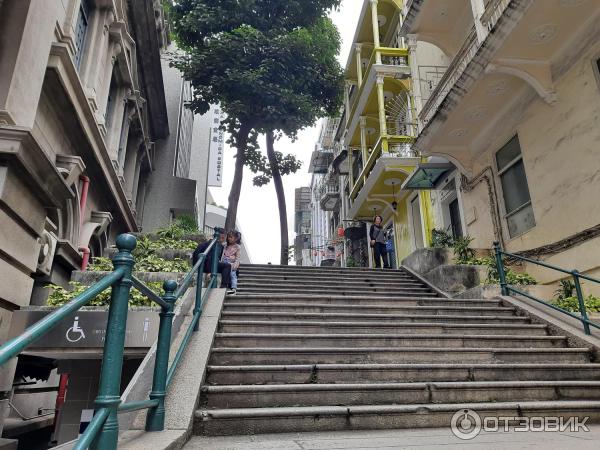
pixel 394 146
pixel 389 57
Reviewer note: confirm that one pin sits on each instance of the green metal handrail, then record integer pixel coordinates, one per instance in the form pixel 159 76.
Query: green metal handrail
pixel 103 431
pixel 507 289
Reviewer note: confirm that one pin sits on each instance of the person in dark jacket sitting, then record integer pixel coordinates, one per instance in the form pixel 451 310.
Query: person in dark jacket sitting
pixel 377 235
pixel 223 268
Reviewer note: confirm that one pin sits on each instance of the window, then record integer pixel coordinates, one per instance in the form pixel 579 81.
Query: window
pixel 517 201
pixel 81 31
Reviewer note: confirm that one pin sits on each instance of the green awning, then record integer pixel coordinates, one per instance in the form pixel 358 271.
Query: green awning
pixel 427 176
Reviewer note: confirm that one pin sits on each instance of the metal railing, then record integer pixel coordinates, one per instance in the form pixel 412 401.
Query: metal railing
pixel 577 277
pixel 102 432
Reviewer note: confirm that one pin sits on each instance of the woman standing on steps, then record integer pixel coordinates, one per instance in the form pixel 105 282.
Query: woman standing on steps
pixel 377 235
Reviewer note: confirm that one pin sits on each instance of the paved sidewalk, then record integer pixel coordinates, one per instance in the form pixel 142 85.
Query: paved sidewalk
pixel 402 439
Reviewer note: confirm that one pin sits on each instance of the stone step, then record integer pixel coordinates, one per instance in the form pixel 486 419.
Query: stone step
pixel 325 270
pixel 249 340
pixel 365 417
pixel 372 317
pixel 283 395
pixel 332 285
pixel 359 300
pixel 342 290
pixel 348 355
pixel 360 327
pixel 385 373
pixel 324 279
pixel 366 309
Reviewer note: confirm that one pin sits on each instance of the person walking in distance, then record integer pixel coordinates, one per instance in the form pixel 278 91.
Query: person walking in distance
pixel 377 236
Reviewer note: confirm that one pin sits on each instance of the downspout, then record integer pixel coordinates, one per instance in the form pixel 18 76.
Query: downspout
pixel 85 185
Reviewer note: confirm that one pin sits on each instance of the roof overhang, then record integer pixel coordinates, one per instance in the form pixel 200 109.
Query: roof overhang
pixel 427 176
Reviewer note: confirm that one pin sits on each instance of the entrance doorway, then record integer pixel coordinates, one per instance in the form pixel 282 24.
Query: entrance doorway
pixel 455 224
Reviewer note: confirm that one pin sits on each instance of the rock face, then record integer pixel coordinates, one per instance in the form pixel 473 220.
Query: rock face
pixel 316 349
pixel 455 279
pixel 424 260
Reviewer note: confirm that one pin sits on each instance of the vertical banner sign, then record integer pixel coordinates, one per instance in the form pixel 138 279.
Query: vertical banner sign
pixel 215 169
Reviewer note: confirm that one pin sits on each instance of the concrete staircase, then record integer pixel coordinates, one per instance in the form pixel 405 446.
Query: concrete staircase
pixel 314 349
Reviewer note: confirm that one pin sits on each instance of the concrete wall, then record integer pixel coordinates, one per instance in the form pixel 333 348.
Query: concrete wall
pixel 560 152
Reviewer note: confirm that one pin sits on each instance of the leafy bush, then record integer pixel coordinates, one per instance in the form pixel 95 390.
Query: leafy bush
pixel 566 290
pixel 592 303
pixel 350 262
pixel 462 250
pixel 148 263
pixel 441 239
pixel 182 226
pixel 60 296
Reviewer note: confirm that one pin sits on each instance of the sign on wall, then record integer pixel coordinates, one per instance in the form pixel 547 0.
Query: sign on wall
pixel 216 149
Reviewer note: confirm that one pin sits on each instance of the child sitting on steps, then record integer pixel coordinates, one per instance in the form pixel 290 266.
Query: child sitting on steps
pixel 232 255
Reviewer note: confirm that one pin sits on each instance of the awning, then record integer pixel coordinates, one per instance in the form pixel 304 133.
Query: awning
pixel 427 176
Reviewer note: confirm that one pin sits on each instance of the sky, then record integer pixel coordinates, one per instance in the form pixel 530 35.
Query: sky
pixel 258 215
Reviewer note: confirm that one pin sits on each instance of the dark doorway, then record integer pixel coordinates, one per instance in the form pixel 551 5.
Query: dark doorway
pixel 455 219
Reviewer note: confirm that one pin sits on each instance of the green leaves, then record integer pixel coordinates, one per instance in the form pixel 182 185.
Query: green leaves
pixel 271 63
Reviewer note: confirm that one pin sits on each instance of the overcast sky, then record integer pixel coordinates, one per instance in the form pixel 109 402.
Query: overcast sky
pixel 258 215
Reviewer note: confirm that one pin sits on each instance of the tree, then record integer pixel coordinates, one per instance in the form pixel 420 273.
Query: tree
pixel 232 54
pixel 306 84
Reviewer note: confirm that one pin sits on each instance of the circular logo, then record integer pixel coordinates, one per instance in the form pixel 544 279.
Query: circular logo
pixel 466 424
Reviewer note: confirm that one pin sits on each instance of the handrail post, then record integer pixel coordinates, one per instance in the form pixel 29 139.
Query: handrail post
pixel 199 283
pixel 114 344
pixel 215 258
pixel 155 420
pixel 581 301
pixel 500 267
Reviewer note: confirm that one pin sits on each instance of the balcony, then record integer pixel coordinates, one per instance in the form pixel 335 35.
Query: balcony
pixel 454 72
pixel 394 64
pixel 396 147
pixel 329 194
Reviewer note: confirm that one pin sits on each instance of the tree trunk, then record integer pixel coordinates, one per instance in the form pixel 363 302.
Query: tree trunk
pixel 283 224
pixel 236 185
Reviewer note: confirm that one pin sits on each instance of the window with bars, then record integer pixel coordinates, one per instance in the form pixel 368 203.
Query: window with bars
pixel 517 201
pixel 81 28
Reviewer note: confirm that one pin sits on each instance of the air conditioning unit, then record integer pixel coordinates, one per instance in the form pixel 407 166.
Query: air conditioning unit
pixel 47 249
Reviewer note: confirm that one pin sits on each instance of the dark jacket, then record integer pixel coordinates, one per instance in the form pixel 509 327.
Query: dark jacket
pixel 209 258
pixel 374 230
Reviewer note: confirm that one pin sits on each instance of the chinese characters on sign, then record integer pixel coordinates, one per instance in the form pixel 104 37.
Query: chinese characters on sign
pixel 215 170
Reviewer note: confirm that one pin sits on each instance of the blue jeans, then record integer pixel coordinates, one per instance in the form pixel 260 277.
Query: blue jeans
pixel 234 275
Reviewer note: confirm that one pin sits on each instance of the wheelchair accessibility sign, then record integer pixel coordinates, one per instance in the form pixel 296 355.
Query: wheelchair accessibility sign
pixel 87 328
pixel 75 333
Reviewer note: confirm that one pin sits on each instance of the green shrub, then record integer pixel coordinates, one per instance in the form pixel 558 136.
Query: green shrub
pixel 441 239
pixel 463 253
pixel 592 303
pixel 566 290
pixel 60 296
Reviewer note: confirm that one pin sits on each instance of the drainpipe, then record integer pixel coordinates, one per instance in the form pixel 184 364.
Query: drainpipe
pixel 85 185
pixel 60 398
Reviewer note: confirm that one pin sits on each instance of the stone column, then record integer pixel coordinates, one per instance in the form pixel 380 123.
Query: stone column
pixel 478 8
pixel 381 105
pixel 414 73
pixel 363 139
pixel 347 87
pixel 359 74
pixel 375 19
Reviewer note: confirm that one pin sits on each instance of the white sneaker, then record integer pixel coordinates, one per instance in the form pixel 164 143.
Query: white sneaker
pixel 231 291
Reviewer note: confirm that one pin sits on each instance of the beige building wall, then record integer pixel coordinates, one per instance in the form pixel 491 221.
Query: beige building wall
pixel 560 148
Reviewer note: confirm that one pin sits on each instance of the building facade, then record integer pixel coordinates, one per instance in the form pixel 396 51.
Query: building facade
pixel 302 227
pixel 515 110
pixel 373 153
pixel 87 135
